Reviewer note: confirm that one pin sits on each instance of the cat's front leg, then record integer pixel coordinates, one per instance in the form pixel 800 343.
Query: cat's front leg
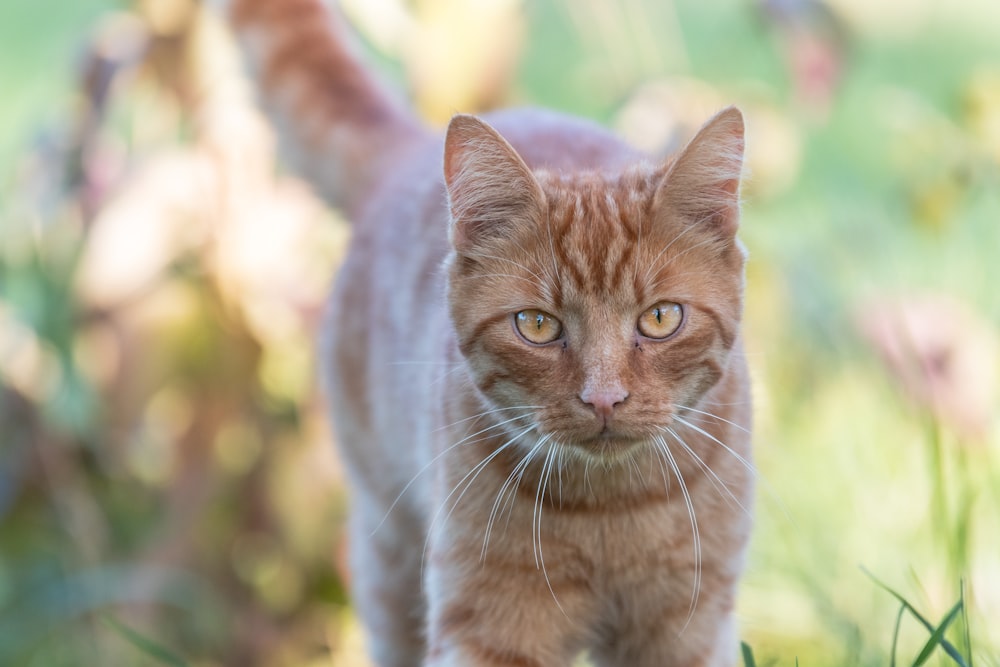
pixel 708 639
pixel 499 614
pixel 385 583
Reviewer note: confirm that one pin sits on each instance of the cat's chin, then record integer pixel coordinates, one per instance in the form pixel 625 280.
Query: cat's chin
pixel 606 447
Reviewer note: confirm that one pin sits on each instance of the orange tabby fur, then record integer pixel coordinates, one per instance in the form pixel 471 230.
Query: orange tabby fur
pixel 516 504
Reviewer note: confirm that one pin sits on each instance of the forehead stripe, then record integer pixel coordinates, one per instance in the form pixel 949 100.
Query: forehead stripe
pixel 563 255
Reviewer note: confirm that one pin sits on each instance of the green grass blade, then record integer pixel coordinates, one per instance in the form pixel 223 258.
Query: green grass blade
pixel 938 635
pixel 966 632
pixel 947 646
pixel 748 660
pixel 145 644
pixel 895 636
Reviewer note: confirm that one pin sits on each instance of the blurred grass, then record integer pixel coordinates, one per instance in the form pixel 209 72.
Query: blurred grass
pixel 162 455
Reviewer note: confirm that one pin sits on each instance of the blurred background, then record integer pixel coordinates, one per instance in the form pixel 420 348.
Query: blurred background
pixel 169 493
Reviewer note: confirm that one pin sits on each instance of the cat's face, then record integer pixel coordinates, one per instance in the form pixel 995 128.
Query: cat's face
pixel 597 305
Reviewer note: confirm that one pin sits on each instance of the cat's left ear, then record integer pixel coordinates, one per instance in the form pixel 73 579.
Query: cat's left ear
pixel 703 183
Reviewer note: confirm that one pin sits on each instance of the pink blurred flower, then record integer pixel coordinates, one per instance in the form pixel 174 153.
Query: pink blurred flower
pixel 941 353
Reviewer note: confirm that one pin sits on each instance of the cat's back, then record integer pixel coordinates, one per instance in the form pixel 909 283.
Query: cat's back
pixel 555 141
pixel 546 140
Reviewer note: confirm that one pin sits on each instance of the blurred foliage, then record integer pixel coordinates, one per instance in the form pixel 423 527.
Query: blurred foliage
pixel 166 477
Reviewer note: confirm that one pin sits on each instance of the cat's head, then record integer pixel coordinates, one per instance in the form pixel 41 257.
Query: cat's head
pixel 599 302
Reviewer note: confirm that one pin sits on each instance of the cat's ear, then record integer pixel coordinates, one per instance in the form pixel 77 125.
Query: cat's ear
pixel 703 183
pixel 491 191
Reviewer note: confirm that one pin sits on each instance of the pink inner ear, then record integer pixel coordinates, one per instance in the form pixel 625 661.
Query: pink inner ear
pixel 704 181
pixel 461 131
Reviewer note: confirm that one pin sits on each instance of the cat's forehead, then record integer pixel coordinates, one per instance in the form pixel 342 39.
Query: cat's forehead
pixel 594 194
pixel 594 233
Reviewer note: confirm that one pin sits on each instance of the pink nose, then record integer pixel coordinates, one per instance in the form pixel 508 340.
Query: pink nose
pixel 603 401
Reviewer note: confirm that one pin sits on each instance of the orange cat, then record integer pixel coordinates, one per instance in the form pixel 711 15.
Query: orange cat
pixel 534 367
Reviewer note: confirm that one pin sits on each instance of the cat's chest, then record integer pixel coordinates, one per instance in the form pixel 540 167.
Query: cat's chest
pixel 616 543
pixel 626 539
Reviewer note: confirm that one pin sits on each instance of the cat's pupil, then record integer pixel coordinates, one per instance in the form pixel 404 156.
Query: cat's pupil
pixel 539 320
pixel 656 313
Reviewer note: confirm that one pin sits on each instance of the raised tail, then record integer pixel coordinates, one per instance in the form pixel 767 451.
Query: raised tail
pixel 337 126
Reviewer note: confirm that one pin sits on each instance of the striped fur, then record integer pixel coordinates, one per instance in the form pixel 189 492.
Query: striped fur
pixel 499 518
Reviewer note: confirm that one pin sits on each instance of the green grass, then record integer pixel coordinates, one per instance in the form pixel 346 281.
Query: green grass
pixel 145 645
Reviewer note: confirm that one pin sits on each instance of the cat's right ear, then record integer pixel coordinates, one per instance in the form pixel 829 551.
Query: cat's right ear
pixel 491 191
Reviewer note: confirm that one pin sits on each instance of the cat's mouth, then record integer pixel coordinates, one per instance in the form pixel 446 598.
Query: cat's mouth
pixel 612 439
pixel 608 442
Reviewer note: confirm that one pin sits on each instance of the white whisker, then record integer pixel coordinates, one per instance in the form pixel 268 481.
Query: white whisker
pixel 559 468
pixel 507 260
pixel 709 414
pixel 707 241
pixel 746 464
pixel 537 524
pixel 518 469
pixel 658 455
pixel 434 460
pixel 480 276
pixel 465 484
pixel 713 477
pixel 743 461
pixel 509 504
pixel 446 375
pixel 724 405
pixel 696 536
pixel 652 264
pixel 632 465
pixel 535 511
pixel 484 414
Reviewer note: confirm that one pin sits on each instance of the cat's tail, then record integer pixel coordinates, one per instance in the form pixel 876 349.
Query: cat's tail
pixel 337 126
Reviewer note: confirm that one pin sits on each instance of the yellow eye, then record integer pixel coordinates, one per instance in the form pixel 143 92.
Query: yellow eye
pixel 661 320
pixel 538 326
